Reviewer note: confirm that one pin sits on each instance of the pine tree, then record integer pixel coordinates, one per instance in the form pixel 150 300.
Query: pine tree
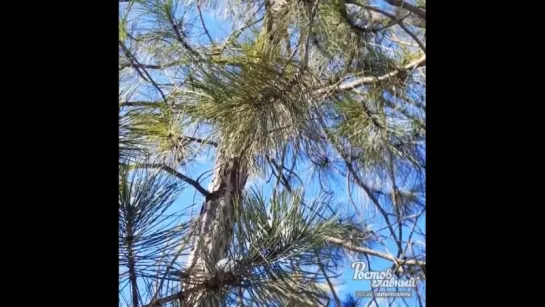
pixel 322 101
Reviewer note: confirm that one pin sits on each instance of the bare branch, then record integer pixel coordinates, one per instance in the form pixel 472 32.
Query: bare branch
pixel 165 66
pixel 204 24
pixel 373 252
pixel 330 284
pixel 197 140
pixel 368 80
pixel 181 176
pixel 279 168
pixel 372 29
pixel 374 200
pixel 409 7
pixel 394 18
pixel 150 79
pixel 180 37
pixel 146 66
pixel 400 23
pixel 369 193
pixel 151 104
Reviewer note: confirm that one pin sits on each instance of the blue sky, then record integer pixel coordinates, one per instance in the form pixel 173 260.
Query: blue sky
pixel 219 29
pixel 346 283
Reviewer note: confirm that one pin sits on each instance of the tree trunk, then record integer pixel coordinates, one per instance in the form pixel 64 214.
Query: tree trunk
pixel 215 226
pixel 217 217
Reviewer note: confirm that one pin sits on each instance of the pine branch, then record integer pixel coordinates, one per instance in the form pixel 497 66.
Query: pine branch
pixel 133 59
pixel 181 176
pixel 372 29
pixel 148 104
pixel 168 65
pixel 207 285
pixel 396 20
pixel 147 66
pixel 132 272
pixel 197 140
pixel 368 191
pixel 372 252
pixel 374 200
pixel 330 284
pixel 336 88
pixel 204 24
pixel 180 37
pixel 177 296
pixel 280 176
pixel 141 104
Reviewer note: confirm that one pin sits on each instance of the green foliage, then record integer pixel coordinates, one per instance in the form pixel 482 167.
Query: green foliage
pixel 321 90
pixel 148 234
pixel 280 240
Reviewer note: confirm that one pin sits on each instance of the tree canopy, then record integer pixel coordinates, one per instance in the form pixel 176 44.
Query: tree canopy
pixel 306 118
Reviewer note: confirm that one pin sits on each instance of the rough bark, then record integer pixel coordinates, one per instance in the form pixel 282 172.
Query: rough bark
pixel 215 226
pixel 217 217
pixel 275 23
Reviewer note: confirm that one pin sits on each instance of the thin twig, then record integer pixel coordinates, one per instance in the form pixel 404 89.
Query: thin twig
pixel 398 21
pixel 133 58
pixel 373 199
pixel 204 25
pixel 180 36
pixel 280 176
pixel 235 34
pixel 374 300
pixel 331 287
